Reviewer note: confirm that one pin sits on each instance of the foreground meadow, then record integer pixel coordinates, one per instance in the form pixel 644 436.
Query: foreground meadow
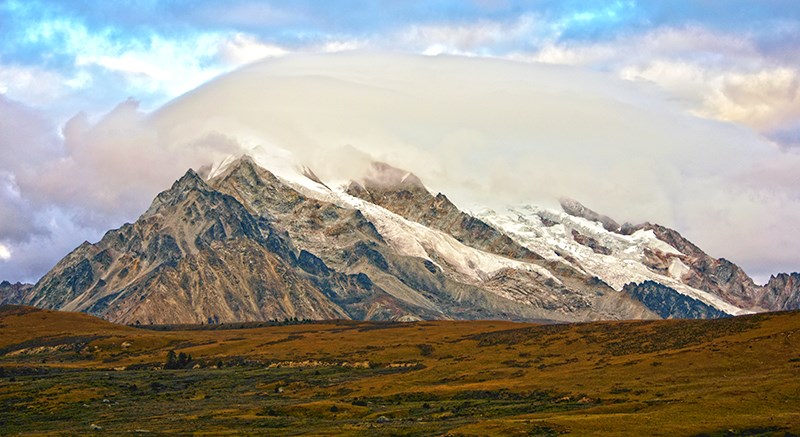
pixel 68 373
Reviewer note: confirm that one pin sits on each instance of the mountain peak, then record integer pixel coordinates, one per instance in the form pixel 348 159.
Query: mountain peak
pixel 577 209
pixel 246 169
pixel 190 179
pixel 248 243
pixel 244 161
pixel 383 175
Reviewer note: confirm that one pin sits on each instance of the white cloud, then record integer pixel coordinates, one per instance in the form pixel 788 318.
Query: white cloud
pixel 766 99
pixel 716 75
pixel 35 85
pixel 5 253
pixel 495 131
pixel 242 49
pixel 342 45
pixel 158 67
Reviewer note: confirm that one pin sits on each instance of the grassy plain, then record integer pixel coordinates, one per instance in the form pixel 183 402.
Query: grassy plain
pixel 68 373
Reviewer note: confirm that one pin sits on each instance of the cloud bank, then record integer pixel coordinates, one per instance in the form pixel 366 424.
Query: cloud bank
pixel 733 61
pixel 484 132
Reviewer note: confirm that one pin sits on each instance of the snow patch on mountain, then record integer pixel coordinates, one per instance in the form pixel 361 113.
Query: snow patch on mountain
pixel 413 239
pixel 407 237
pixel 550 234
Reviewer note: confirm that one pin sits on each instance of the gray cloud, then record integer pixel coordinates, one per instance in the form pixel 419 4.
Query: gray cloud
pixel 26 137
pixel 58 190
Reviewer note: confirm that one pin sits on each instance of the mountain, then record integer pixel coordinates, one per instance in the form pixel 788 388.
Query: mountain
pixel 418 264
pixel 670 304
pixel 195 255
pixel 634 254
pixel 245 244
pixel 13 293
pixel 699 270
pixel 782 292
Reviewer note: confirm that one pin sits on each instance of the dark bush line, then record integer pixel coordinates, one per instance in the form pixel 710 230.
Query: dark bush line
pixel 365 325
pixel 177 361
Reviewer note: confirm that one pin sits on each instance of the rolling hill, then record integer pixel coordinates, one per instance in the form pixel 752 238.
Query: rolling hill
pixel 70 372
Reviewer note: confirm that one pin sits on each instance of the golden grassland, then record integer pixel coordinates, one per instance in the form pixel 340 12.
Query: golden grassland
pixel 61 373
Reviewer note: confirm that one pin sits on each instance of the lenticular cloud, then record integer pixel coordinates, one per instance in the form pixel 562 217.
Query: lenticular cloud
pixel 485 132
pixel 490 131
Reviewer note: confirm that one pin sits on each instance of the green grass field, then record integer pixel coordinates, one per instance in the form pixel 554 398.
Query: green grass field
pixel 67 373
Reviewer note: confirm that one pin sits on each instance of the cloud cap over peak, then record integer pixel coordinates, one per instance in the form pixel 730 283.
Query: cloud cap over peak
pixel 488 131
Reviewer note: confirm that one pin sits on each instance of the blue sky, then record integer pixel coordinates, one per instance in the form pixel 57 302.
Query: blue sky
pixel 89 55
pixel 731 61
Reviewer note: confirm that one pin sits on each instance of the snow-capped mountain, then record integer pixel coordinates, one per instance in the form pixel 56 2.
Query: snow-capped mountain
pixel 264 238
pixel 616 258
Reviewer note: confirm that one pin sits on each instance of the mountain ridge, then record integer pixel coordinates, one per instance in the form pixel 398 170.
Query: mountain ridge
pixel 246 244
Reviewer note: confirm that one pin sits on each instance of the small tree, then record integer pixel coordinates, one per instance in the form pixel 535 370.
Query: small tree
pixel 178 361
pixel 183 360
pixel 172 360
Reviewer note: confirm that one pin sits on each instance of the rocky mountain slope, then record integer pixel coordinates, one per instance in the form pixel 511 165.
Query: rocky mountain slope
pixel 625 254
pixel 13 293
pixel 668 303
pixel 782 292
pixel 247 244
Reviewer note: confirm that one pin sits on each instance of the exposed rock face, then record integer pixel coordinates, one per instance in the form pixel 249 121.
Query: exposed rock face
pixel 669 304
pixel 591 243
pixel 781 292
pixel 13 293
pixel 718 276
pixel 575 208
pixel 319 227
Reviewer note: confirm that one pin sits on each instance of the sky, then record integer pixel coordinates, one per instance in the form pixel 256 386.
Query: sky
pixel 682 112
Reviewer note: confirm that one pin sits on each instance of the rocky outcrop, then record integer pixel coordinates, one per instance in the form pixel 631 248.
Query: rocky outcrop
pixel 718 276
pixel 782 292
pixel 669 304
pixel 590 242
pixel 13 294
pixel 575 208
